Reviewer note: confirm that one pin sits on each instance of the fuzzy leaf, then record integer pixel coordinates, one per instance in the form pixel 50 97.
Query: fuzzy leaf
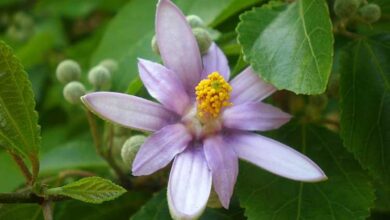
pixel 19 130
pixel 365 104
pixel 290 46
pixel 90 189
pixel 347 194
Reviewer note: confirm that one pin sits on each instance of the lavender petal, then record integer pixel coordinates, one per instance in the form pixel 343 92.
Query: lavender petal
pixel 163 85
pixel 215 60
pixel 275 157
pixel 223 163
pixel 254 116
pixel 160 148
pixel 248 87
pixel 128 111
pixel 177 44
pixel 189 184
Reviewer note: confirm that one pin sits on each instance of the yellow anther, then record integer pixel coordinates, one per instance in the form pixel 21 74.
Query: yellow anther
pixel 212 94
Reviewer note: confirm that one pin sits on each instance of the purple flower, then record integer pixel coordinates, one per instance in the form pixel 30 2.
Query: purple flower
pixel 204 124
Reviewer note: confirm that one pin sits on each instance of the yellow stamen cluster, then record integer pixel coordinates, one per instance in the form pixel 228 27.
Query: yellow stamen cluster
pixel 212 94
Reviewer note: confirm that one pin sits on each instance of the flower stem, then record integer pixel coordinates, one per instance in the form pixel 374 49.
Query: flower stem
pixel 107 156
pixel 23 167
pixel 47 210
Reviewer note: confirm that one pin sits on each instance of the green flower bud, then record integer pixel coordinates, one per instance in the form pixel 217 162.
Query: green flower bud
pixel 110 64
pixel 155 46
pixel 130 148
pixel 195 21
pixel 203 38
pixel 345 8
pixel 73 91
pixel 67 71
pixel 370 13
pixel 100 77
pixel 23 19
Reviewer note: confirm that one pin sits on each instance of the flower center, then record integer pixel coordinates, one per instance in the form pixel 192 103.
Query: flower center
pixel 212 94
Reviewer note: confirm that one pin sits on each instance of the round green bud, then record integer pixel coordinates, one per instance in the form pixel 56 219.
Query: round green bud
pixel 73 91
pixel 130 148
pixel 370 13
pixel 154 45
pixel 203 38
pixel 345 8
pixel 67 71
pixel 110 64
pixel 100 77
pixel 23 20
pixel 195 21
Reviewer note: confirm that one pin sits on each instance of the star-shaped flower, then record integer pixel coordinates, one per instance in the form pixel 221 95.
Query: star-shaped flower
pixel 203 122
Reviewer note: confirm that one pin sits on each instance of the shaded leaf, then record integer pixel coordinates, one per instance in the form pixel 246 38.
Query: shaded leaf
pixel 20 211
pixel 90 189
pixel 347 194
pixel 9 169
pixel 19 130
pixel 290 46
pixel 365 104
pixel 157 208
pixel 118 209
pixel 76 154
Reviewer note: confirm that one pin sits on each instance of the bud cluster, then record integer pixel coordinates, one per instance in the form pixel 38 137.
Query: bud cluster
pixel 347 9
pixel 201 33
pixel 68 72
pixel 21 26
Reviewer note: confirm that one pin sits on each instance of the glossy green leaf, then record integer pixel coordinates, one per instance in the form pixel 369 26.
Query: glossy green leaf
pixel 90 189
pixel 290 46
pixel 347 194
pixel 19 130
pixel 365 104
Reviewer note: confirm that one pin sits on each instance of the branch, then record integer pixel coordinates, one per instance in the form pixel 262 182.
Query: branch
pixel 27 197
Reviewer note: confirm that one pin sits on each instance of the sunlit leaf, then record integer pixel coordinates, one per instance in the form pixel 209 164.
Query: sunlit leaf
pixel 290 46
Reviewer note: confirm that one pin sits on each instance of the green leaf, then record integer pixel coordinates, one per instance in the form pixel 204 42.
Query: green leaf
pixel 157 208
pixel 291 47
pixel 128 37
pixel 19 130
pixel 90 189
pixel 234 7
pixel 118 209
pixel 365 104
pixel 20 211
pixel 347 194
pixel 75 154
pixel 9 169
